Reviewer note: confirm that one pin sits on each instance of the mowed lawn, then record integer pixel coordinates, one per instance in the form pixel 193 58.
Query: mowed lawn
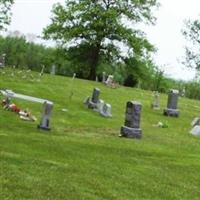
pixel 82 157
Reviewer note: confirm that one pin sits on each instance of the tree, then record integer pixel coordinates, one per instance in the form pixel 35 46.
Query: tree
pixel 5 6
pixel 192 34
pixel 95 31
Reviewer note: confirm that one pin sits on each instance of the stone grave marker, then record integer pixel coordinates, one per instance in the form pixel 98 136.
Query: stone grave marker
pixel 172 103
pixel 156 103
pixel 103 77
pixel 106 110
pixel 195 121
pixel 131 128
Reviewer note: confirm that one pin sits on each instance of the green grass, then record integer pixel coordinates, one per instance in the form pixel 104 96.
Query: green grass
pixel 83 157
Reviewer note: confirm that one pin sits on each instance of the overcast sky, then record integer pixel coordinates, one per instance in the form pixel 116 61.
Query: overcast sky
pixel 31 16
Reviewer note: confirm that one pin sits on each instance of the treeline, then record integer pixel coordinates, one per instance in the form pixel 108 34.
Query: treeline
pixel 145 75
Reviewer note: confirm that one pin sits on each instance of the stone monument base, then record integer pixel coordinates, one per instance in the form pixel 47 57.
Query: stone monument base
pixel 43 128
pixel 131 132
pixel 88 102
pixel 171 112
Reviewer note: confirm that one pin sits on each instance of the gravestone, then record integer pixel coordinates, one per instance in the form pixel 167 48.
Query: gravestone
pixel 131 128
pixel 45 121
pixel 92 102
pixel 99 106
pixel 53 70
pixel 195 130
pixel 103 77
pixel 172 102
pixel 156 103
pixel 195 121
pixel 109 80
pixel 106 110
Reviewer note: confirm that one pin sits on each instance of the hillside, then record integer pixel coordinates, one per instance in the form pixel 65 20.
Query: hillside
pixel 83 157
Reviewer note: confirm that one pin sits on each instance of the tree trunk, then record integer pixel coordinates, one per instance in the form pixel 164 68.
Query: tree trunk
pixel 94 62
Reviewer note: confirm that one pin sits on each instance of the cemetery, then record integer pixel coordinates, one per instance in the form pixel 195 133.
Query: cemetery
pixel 99 100
pixel 68 147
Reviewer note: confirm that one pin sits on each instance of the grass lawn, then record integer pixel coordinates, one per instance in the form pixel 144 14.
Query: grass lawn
pixel 83 157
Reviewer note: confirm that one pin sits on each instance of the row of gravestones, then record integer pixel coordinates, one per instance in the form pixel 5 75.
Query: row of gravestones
pixel 131 127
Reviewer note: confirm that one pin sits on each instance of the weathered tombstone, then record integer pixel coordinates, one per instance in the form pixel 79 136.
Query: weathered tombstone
pixel 131 128
pixel 53 70
pixel 156 103
pixel 195 130
pixel 103 77
pixel 45 121
pixel 93 102
pixel 99 105
pixel 106 110
pixel 196 121
pixel 171 109
pixel 109 80
pixel 97 80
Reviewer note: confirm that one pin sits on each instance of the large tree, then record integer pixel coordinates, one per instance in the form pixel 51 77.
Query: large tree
pixel 95 31
pixel 192 34
pixel 5 14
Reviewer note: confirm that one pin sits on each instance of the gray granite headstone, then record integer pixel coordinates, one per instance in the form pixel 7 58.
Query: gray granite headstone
pixel 172 103
pixel 45 121
pixel 131 128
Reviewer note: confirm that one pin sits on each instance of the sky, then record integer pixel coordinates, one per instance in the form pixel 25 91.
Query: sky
pixel 31 16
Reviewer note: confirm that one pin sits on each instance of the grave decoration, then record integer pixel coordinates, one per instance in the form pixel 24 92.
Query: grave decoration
pixel 47 107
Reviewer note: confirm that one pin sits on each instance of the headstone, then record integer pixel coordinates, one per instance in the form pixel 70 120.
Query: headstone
pixel 109 80
pixel 106 110
pixel 94 100
pixel 103 77
pixel 53 70
pixel 195 130
pixel 156 103
pixel 99 106
pixel 171 109
pixel 97 80
pixel 131 128
pixel 45 121
pixel 196 121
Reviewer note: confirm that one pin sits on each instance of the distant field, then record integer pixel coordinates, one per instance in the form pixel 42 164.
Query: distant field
pixel 83 157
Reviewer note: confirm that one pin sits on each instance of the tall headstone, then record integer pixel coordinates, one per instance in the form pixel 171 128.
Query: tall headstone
pixel 45 121
pixel 131 128
pixel 2 60
pixel 172 103
pixel 103 77
pixel 53 70
pixel 156 103
pixel 42 71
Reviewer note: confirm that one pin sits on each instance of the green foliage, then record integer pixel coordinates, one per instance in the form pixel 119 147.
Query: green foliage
pixel 83 157
pixel 5 6
pixel 192 34
pixel 95 32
